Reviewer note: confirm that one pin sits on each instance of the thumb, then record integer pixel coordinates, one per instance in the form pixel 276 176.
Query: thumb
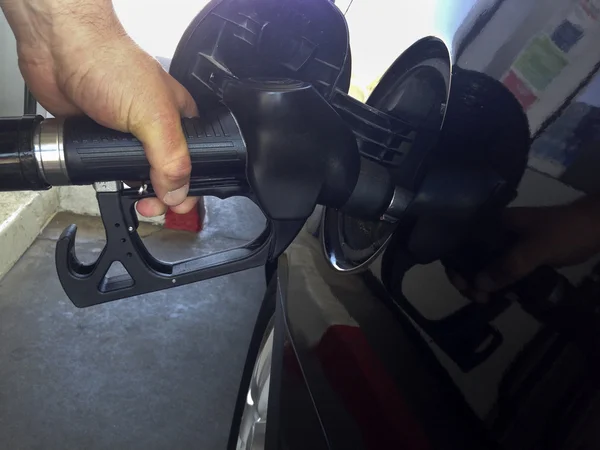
pixel 167 152
pixel 186 107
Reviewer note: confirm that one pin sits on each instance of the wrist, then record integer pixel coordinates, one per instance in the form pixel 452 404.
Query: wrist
pixel 55 29
pixel 30 23
pixel 82 25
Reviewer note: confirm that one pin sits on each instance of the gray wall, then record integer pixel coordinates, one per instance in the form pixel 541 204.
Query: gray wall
pixel 11 82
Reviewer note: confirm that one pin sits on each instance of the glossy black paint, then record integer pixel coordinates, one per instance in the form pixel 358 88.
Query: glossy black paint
pixel 509 375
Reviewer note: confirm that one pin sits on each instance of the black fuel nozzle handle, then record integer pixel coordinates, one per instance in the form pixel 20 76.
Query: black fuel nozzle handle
pixel 94 153
pixel 78 151
pixel 298 153
pixel 37 154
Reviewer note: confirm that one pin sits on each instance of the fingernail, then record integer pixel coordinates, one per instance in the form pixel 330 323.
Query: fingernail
pixel 148 208
pixel 485 283
pixel 176 197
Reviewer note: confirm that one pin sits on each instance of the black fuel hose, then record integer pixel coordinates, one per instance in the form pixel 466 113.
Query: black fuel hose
pixel 18 165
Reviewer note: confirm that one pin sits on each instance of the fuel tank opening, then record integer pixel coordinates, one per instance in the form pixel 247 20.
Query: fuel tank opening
pixel 409 103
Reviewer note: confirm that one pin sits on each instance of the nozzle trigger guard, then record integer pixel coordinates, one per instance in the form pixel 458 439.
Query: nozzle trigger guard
pixel 88 284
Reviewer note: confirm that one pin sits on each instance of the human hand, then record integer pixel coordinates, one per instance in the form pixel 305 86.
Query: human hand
pixel 551 236
pixel 76 58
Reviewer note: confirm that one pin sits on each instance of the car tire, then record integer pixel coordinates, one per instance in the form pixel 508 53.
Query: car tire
pixel 249 421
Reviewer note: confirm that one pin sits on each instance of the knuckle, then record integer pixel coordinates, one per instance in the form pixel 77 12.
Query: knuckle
pixel 149 113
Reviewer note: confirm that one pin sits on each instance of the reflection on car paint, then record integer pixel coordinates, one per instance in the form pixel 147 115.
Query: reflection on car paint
pixel 501 376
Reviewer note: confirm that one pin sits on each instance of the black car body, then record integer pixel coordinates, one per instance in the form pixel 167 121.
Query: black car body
pixel 374 350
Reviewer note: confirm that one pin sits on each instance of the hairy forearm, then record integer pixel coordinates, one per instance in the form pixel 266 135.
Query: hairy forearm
pixel 49 26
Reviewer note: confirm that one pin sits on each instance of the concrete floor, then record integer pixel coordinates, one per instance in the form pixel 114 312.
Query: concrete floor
pixel 159 371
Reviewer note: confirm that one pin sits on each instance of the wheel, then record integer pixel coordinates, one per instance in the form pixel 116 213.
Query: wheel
pixel 253 426
pixel 249 425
